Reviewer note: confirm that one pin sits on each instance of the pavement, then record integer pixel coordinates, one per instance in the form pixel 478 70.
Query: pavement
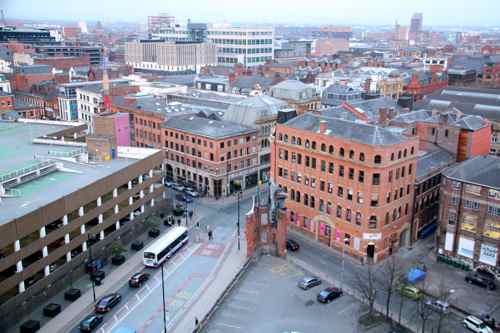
pixel 267 299
pixel 194 279
pixel 327 264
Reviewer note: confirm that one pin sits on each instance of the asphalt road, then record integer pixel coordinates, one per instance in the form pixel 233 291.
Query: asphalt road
pixel 142 309
pixel 330 263
pixel 267 299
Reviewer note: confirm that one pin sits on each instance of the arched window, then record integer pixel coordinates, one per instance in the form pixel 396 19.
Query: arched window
pixel 308 144
pixel 280 136
pixel 412 150
pixel 286 138
pixel 323 147
pixel 399 154
pixel 387 218
pixel 392 156
pixel 313 145
pixel 361 157
pixel 299 141
pixel 405 152
pixel 331 150
pixel 341 152
pixel 377 159
pixel 372 222
pixel 294 140
pixel 351 154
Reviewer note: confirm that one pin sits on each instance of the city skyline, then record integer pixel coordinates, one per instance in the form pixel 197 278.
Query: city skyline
pixel 444 13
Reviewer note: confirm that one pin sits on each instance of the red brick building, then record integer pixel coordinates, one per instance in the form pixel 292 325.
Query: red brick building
pixel 425 82
pixel 6 101
pixel 64 63
pixel 491 72
pixel 25 76
pixel 346 181
pixel 470 212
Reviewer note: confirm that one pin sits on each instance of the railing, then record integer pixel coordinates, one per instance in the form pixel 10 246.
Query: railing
pixel 12 192
pixel 71 153
pixel 23 171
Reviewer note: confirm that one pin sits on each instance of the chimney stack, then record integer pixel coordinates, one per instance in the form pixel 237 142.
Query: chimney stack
pixel 322 126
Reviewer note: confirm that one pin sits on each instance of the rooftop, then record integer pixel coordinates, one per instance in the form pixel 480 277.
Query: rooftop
pixel 19 152
pixel 206 127
pixel 431 161
pixel 480 170
pixel 363 133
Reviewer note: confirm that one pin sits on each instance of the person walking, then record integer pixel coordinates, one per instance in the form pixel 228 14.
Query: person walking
pixel 210 235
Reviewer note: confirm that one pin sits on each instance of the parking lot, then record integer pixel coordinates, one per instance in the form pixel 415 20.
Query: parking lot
pixel 267 299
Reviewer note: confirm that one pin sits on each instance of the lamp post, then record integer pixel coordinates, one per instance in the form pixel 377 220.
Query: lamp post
pixel 239 194
pixel 163 298
pixel 90 260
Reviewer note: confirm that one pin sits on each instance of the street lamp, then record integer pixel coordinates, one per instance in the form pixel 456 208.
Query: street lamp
pixel 163 298
pixel 346 242
pixel 239 194
pixel 90 260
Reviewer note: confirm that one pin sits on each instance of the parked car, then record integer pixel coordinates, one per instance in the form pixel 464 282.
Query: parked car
pixel 480 280
pixel 169 183
pixel 118 259
pixel 89 323
pixel 30 326
pixel 51 310
pixel 308 282
pixel 72 294
pixel 137 245
pixel 93 265
pixel 437 305
pixel 153 233
pixel 329 294
pixel 178 187
pixel 411 292
pixel 192 193
pixel 486 273
pixel 292 245
pixel 138 279
pixel 106 303
pixel 476 325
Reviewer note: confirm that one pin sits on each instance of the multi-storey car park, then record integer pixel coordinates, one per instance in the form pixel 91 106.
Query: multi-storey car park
pixel 56 202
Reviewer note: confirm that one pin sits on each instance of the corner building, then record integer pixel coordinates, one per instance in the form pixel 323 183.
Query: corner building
pixel 347 183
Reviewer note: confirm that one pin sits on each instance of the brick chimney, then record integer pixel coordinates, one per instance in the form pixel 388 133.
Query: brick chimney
pixel 322 126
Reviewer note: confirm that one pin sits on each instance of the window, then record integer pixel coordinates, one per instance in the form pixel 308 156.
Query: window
pixel 322 185
pixel 390 176
pixel 330 168
pixel 323 147
pixel 358 218
pixel 405 152
pixel 362 157
pixel 361 176
pixel 313 145
pixel 306 199
pixel 351 173
pixel 410 169
pixel 339 212
pixel 387 218
pixel 374 200
pixel 340 191
pixel 348 215
pixel 359 198
pixel 446 133
pixel 372 222
pixel 376 179
pixel 351 154
pixel 399 155
pixel 341 171
pixel 331 149
pixel 341 152
pixel 392 157
pixel 330 188
pixel 307 161
pixel 474 205
pixel 388 197
pixel 452 217
pixel 377 159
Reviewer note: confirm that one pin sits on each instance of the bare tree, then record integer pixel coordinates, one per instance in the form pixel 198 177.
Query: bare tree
pixel 444 295
pixel 391 273
pixel 423 310
pixel 365 285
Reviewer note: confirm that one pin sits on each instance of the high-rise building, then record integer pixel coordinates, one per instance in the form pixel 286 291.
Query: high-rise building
pixel 157 22
pixel 250 46
pixel 416 26
pixel 169 56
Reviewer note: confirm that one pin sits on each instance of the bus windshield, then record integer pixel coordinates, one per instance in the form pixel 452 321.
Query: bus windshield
pixel 149 255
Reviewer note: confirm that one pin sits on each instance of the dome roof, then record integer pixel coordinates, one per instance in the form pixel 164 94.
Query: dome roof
pixel 254 109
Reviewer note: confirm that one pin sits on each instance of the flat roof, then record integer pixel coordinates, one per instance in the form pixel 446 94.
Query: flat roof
pixel 18 151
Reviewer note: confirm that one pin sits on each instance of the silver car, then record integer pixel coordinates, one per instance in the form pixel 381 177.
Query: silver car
pixel 308 282
pixel 438 305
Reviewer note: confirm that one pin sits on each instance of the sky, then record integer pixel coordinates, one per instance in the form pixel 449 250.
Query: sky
pixel 293 12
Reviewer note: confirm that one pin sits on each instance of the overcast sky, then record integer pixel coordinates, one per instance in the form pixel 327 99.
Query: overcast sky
pixel 436 12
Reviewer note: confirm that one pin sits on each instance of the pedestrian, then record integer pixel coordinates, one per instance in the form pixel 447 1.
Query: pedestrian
pixel 210 235
pixel 196 322
pixel 179 222
pixel 197 224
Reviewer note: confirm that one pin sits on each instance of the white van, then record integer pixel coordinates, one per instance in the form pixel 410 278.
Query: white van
pixel 476 325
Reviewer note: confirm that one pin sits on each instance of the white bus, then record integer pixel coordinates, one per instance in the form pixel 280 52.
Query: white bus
pixel 166 246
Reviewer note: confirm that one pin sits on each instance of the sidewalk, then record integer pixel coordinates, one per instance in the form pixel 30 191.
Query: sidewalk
pixel 233 198
pixel 212 289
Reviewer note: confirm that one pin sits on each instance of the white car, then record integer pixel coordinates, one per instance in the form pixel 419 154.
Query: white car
pixel 476 325
pixel 437 305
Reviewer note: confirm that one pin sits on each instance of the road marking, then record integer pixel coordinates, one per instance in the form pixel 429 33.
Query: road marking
pixel 240 307
pixel 149 292
pixel 228 325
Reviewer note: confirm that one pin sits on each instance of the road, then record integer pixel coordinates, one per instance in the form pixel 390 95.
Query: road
pixel 142 309
pixel 330 263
